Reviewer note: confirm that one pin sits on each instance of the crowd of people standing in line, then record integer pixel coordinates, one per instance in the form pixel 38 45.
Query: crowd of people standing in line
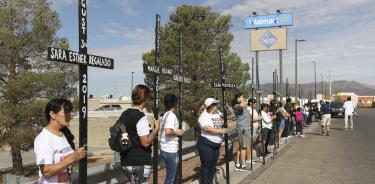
pixel 256 129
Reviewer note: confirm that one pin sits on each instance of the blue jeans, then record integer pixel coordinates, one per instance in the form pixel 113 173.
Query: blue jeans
pixel 288 127
pixel 209 153
pixel 299 127
pixel 171 162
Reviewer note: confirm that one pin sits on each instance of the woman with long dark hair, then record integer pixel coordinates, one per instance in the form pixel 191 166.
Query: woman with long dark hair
pixel 54 147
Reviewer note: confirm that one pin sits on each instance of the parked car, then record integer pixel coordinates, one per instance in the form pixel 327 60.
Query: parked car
pixel 109 107
pixel 336 109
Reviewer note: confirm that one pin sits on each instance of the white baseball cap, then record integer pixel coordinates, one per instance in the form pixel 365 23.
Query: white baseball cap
pixel 210 101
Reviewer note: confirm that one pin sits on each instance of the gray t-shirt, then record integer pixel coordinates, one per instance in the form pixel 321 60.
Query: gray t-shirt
pixel 243 117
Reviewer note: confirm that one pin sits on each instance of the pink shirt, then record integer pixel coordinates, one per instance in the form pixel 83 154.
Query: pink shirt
pixel 299 116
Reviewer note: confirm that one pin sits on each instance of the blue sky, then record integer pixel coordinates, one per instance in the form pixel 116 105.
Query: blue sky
pixel 339 36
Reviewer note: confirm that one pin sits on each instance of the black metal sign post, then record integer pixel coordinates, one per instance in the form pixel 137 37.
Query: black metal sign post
pixel 223 86
pixel 156 97
pixel 83 60
pixel 252 113
pixel 259 92
pixel 276 131
pixel 180 112
pixel 82 24
pixel 157 71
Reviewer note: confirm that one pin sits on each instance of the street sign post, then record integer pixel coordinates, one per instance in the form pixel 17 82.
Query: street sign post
pixel 157 70
pixel 83 60
pixel 223 85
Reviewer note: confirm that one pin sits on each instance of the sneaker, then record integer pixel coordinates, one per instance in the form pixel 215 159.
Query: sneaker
pixel 351 129
pixel 238 167
pixel 322 133
pixel 245 168
pixel 248 161
pixel 327 134
pixel 346 129
pixel 242 168
pixel 303 136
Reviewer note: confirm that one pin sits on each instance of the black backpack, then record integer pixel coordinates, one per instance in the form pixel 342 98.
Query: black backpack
pixel 115 142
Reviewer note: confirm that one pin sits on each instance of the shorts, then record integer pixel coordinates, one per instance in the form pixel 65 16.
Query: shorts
pixel 326 120
pixel 282 124
pixel 138 174
pixel 243 139
pixel 256 131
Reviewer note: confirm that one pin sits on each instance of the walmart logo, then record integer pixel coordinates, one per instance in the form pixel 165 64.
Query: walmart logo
pixel 268 39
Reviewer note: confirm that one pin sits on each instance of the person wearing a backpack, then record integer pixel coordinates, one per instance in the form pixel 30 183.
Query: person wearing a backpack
pixel 299 122
pixel 169 135
pixel 136 161
pixel 209 142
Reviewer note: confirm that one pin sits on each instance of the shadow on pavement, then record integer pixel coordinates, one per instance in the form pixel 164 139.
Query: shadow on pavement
pixel 341 129
pixel 312 133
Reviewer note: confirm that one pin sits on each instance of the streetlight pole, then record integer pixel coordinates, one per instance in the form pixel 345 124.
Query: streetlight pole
pixel 315 76
pixel 321 75
pixel 330 86
pixel 295 69
pixel 132 84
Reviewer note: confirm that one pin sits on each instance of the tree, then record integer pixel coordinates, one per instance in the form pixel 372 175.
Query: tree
pixel 27 80
pixel 203 32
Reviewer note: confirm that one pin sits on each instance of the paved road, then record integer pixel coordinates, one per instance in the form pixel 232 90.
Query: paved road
pixel 344 157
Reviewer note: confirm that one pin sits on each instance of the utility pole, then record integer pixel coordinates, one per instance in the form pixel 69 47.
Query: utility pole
pixel 330 84
pixel 132 84
pixel 321 75
pixel 295 69
pixel 315 76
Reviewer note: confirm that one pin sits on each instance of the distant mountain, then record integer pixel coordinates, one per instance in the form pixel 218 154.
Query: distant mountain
pixel 337 86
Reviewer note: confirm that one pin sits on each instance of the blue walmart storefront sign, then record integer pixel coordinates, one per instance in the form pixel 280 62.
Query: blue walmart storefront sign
pixel 262 21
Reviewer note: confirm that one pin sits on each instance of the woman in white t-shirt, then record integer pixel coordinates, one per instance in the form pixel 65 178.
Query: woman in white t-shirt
pixel 54 147
pixel 209 142
pixel 169 136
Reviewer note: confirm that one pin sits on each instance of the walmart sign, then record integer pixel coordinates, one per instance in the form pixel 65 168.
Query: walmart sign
pixel 262 21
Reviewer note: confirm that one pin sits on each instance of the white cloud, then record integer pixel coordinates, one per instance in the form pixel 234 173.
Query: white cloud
pixel 123 32
pixel 127 6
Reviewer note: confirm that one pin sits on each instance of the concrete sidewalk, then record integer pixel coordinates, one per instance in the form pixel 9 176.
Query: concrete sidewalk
pixel 237 176
pixel 344 157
